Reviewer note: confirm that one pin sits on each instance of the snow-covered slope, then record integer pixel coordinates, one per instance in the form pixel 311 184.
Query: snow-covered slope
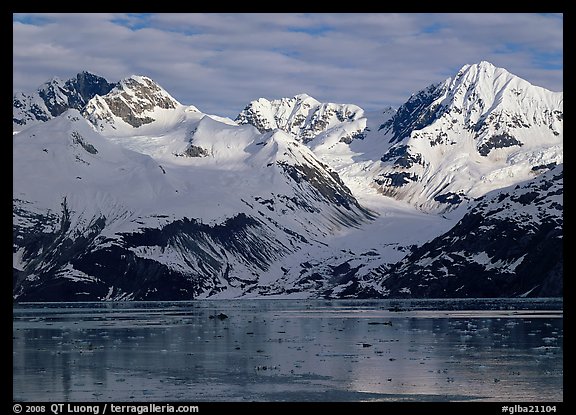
pixel 510 243
pixel 96 220
pixel 341 135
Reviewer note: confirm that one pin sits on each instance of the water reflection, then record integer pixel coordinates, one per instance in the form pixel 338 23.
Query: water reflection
pixel 289 350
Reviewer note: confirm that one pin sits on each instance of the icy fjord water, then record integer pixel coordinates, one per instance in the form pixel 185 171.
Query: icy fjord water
pixel 288 350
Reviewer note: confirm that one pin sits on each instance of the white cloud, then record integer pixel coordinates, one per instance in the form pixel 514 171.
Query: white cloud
pixel 219 62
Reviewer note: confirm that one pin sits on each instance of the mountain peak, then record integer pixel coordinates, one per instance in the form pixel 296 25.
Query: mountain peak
pixel 56 96
pixel 484 117
pixel 485 73
pixel 144 88
pixel 135 101
pixel 55 80
pixel 484 65
pixel 304 97
pixel 302 116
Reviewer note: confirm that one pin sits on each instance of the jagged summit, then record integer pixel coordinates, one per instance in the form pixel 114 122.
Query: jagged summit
pixel 302 116
pixel 478 91
pixel 482 129
pixel 135 101
pixel 486 72
pixel 482 66
pixel 56 96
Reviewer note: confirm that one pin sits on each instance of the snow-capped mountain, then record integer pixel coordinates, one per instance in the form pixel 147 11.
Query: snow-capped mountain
pixel 55 97
pixel 509 244
pixel 481 130
pixel 301 116
pixel 95 219
pixel 133 195
pixel 453 141
pixel 136 101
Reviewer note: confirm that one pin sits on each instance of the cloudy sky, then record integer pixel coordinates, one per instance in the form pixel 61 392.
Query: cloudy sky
pixel 220 62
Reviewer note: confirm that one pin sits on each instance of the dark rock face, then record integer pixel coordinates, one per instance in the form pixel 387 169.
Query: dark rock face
pixel 415 114
pixel 330 188
pixel 90 85
pixel 46 252
pixel 78 139
pixel 28 111
pixel 120 109
pixel 149 95
pixel 58 97
pixel 102 268
pixel 130 101
pixel 195 151
pixel 251 116
pixel 450 198
pixel 402 155
pixel 544 167
pixel 396 179
pixel 87 86
pixel 356 135
pixel 510 244
pixel 498 141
